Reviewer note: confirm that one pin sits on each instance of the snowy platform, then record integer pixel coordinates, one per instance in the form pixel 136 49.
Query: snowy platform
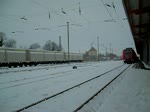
pixel 131 94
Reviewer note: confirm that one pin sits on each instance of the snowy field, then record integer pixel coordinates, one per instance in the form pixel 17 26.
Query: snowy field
pixel 21 87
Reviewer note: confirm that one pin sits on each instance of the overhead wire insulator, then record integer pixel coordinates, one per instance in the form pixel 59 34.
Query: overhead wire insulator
pixel 49 16
pixel 79 9
pixel 108 5
pixel 36 29
pixel 113 5
pixel 63 11
pixel 23 18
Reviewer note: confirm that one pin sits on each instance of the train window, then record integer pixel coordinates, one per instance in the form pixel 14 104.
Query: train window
pixel 128 53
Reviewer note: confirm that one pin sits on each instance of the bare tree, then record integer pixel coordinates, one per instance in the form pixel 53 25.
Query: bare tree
pixel 48 45
pixel 10 43
pixel 51 46
pixel 54 46
pixel 35 46
pixel 2 38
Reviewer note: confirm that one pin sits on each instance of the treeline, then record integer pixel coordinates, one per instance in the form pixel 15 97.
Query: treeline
pixel 11 43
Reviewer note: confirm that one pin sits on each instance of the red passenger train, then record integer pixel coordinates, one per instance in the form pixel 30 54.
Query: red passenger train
pixel 129 56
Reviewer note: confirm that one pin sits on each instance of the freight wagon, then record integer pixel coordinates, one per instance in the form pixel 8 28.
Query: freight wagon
pixel 24 57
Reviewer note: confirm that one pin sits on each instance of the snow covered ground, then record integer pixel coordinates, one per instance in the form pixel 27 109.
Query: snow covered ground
pixel 131 94
pixel 21 87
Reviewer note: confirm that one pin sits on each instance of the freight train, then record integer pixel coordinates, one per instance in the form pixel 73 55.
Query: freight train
pixel 129 56
pixel 27 57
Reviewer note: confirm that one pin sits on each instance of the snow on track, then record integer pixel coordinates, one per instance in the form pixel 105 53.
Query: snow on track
pixel 70 100
pixel 16 97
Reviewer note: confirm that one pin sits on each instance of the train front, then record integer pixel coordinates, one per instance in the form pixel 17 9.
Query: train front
pixel 128 55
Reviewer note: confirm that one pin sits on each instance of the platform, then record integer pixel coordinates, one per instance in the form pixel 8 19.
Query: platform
pixel 132 94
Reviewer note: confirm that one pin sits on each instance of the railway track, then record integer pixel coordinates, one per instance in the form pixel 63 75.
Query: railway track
pixel 8 70
pixel 73 87
pixel 43 77
pixel 40 67
pixel 96 94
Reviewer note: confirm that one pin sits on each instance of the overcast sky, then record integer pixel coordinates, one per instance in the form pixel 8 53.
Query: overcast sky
pixel 88 20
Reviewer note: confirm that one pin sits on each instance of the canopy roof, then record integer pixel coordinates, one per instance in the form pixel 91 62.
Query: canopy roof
pixel 138 12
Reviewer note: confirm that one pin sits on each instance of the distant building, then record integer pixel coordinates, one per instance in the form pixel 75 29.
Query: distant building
pixel 91 55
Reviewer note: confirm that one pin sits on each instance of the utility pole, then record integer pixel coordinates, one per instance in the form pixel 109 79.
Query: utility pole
pixel 68 42
pixel 110 47
pixel 106 52
pixel 68 38
pixel 60 43
pixel 98 48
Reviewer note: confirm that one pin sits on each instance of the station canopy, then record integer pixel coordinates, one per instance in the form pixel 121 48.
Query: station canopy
pixel 138 12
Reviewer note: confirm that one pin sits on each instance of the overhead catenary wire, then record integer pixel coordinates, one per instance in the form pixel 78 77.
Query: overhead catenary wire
pixel 113 5
pixel 64 12
pixel 107 9
pixel 120 20
pixel 78 13
pixel 57 12
pixel 117 20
